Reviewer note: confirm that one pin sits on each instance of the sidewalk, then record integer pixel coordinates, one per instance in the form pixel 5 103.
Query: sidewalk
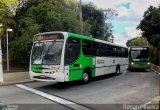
pixel 15 77
pixel 154 104
pixel 155 68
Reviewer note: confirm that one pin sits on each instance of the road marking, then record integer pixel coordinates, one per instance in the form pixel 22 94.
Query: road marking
pixel 55 98
pixel 144 106
pixel 147 103
pixel 124 73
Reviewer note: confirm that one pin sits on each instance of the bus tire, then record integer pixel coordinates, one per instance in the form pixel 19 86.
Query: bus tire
pixel 118 71
pixel 85 78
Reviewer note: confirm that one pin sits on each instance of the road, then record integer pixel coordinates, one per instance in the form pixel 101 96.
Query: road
pixel 136 87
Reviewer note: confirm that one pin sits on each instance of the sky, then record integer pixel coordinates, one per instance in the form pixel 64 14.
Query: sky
pixel 130 13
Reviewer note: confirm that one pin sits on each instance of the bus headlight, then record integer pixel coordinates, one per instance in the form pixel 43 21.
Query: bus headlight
pixel 149 63
pixel 132 63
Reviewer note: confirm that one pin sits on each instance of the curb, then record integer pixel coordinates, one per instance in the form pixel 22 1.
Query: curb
pixel 15 82
pixel 16 72
pixel 154 101
pixel 155 71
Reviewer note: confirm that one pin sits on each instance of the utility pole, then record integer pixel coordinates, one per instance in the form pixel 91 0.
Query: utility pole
pixel 159 64
pixel 8 30
pixel 1 67
pixel 158 57
pixel 81 17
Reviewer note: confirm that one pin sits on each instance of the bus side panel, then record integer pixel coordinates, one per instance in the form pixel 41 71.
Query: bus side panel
pixel 76 72
pixel 110 66
pixel 100 66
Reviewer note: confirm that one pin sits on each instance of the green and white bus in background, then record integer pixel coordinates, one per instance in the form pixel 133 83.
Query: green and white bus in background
pixel 139 57
pixel 64 56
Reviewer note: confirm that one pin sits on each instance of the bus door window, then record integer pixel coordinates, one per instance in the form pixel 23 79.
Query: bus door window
pixel 72 50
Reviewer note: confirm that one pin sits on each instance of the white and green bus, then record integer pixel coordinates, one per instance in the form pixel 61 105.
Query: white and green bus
pixel 139 57
pixel 64 56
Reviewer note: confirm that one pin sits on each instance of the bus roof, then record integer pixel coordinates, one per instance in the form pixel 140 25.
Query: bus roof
pixel 80 36
pixel 93 39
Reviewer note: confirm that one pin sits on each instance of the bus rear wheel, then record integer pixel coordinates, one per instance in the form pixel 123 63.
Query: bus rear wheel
pixel 85 78
pixel 118 70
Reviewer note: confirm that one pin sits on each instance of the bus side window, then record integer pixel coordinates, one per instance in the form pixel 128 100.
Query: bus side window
pixel 95 48
pixel 102 49
pixel 126 53
pixel 72 50
pixel 109 50
pixel 119 51
pixel 114 50
pixel 87 47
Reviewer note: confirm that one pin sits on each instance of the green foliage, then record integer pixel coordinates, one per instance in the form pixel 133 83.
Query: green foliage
pixel 6 14
pixel 95 17
pixel 35 16
pixel 138 41
pixel 150 25
pixel 154 55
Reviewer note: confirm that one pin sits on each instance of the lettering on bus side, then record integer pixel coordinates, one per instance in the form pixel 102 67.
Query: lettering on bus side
pixel 100 61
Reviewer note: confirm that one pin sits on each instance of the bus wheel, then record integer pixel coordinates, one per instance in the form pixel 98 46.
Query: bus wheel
pixel 85 78
pixel 118 70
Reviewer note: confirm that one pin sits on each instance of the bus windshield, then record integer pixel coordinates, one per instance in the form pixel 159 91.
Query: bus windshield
pixel 140 55
pixel 47 53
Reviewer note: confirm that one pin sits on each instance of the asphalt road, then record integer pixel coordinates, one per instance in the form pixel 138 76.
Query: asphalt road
pixel 136 87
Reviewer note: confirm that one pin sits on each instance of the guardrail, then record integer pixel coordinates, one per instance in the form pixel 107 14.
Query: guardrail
pixel 155 68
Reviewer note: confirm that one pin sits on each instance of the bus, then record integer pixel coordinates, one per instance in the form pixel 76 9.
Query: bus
pixel 139 57
pixel 65 56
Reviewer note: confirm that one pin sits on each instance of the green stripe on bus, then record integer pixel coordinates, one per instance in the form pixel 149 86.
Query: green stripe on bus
pixel 140 63
pixel 36 68
pixel 84 62
pixel 80 36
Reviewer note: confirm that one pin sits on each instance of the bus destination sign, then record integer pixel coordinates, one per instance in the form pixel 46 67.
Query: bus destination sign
pixel 139 48
pixel 48 37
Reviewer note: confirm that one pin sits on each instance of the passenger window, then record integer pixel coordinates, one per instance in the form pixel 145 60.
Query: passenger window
pixel 87 47
pixel 95 50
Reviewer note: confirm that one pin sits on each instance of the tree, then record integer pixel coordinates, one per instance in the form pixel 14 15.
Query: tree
pixel 7 11
pixel 36 16
pixel 150 25
pixel 96 18
pixel 137 41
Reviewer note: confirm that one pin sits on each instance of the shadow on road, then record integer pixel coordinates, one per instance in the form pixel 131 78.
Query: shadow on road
pixel 72 84
pixel 139 70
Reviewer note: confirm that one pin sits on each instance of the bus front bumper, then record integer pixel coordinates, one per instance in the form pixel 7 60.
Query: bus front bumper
pixel 139 66
pixel 56 77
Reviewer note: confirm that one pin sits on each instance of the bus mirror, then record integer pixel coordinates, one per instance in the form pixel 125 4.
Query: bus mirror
pixel 29 45
pixel 69 47
pixel 159 45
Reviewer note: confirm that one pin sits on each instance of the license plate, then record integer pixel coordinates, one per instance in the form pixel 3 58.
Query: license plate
pixel 42 76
